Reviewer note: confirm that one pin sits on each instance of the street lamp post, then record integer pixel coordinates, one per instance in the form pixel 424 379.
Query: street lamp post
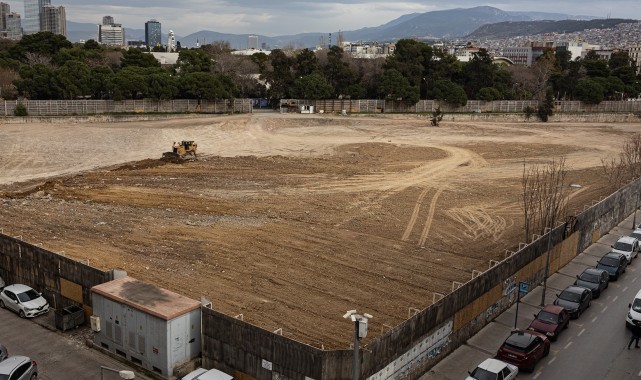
pixel 360 331
pixel 122 373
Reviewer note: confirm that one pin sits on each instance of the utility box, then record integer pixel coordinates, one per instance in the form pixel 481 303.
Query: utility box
pixel 149 326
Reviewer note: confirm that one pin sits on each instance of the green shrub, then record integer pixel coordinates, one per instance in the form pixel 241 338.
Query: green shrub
pixel 21 110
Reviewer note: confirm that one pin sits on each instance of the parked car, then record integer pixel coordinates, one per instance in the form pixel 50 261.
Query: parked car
pixel 18 368
pixel 637 234
pixel 614 263
pixel 23 300
pixel 493 369
pixel 551 320
pixel 524 349
pixel 627 245
pixel 4 353
pixel 634 314
pixel 574 299
pixel 594 279
pixel 204 374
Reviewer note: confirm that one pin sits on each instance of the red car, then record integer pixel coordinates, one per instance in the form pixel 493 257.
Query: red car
pixel 524 349
pixel 551 320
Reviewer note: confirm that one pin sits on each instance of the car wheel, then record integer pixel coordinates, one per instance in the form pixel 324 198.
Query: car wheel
pixel 21 314
pixel 34 376
pixel 567 325
pixel 1 304
pixel 546 352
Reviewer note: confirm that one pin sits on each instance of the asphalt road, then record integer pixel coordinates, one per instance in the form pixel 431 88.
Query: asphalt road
pixel 59 357
pixel 593 347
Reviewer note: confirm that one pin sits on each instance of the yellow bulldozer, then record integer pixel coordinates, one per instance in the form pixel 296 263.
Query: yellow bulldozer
pixel 182 150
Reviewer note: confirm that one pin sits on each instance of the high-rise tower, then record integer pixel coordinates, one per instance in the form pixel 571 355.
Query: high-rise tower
pixel 152 34
pixel 53 19
pixel 32 14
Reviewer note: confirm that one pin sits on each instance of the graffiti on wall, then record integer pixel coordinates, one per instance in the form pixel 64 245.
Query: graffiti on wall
pixel 427 348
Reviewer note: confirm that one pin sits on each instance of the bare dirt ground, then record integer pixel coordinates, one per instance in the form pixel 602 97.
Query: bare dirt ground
pixel 290 220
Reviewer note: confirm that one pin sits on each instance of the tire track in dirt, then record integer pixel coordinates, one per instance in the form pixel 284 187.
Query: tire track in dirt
pixel 430 218
pixel 478 223
pixel 414 217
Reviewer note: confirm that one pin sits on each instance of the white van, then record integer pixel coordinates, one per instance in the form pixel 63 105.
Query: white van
pixel 634 314
pixel 203 374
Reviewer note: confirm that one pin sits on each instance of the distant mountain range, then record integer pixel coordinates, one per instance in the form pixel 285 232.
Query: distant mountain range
pixel 529 28
pixel 451 24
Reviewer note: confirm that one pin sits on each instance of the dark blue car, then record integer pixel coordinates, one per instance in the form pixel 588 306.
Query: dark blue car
pixel 614 264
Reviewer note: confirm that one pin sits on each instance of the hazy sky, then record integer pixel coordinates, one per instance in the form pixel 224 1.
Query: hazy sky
pixel 279 17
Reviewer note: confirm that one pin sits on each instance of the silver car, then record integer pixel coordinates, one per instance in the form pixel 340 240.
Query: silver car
pixel 18 368
pixel 23 300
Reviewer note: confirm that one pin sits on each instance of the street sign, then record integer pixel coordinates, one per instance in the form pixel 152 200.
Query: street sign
pixel 523 287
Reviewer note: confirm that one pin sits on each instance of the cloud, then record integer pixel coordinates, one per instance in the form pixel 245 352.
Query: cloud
pixel 271 17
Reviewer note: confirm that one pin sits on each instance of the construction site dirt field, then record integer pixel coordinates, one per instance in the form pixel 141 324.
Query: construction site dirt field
pixel 291 220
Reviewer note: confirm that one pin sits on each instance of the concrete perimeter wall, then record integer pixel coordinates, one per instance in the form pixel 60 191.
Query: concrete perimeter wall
pixel 93 107
pixel 412 348
pixel 63 281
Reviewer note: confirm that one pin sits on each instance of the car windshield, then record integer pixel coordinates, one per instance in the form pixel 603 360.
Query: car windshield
pixel 636 305
pixel 547 317
pixel 4 377
pixel 570 296
pixel 28 296
pixel 636 235
pixel 609 262
pixel 588 277
pixel 621 246
pixel 483 374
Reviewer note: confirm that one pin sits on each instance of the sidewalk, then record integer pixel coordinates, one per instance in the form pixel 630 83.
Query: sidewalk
pixel 486 342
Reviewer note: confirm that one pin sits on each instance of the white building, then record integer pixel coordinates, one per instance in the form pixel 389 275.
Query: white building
pixel 111 35
pixel 635 56
pixel 171 42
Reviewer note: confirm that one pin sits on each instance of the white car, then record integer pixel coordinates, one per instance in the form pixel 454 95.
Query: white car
pixel 634 314
pixel 23 300
pixel 203 374
pixel 494 369
pixel 628 246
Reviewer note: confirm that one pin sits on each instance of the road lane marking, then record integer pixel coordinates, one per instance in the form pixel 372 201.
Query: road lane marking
pixel 582 331
pixel 552 360
pixel 567 345
pixel 604 309
pixel 624 289
pixel 615 298
pixel 594 319
pixel 537 375
pixel 634 279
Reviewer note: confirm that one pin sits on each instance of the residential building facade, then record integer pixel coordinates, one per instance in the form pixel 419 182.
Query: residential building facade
pixel 53 19
pixel 635 56
pixel 13 29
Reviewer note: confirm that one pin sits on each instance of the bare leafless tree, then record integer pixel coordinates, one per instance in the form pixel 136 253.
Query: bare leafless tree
pixel 626 166
pixel 544 196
